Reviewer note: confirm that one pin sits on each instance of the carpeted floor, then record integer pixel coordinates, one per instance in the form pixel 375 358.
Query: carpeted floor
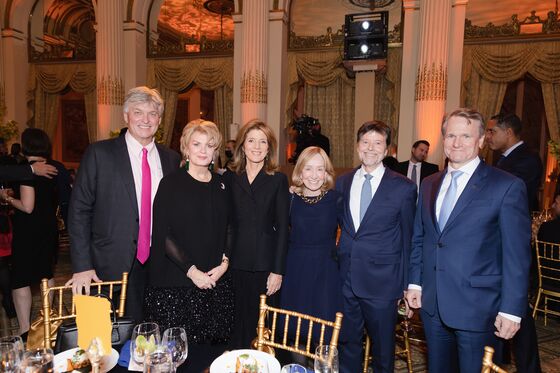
pixel 549 336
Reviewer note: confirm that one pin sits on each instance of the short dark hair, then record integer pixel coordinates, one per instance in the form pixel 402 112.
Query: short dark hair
pixel 425 142
pixel 15 149
pixel 375 126
pixel 505 121
pixel 36 142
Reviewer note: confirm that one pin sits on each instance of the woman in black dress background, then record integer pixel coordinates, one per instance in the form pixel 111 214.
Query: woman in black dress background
pixel 35 230
pixel 260 200
pixel 188 286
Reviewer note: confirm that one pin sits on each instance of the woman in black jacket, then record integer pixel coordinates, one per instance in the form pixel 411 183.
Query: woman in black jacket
pixel 260 211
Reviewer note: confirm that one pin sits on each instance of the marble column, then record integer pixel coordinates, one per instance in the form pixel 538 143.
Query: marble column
pixel 110 59
pixel 15 75
pixel 134 54
pixel 277 72
pixel 455 61
pixel 432 73
pixel 407 113
pixel 254 64
pixel 237 70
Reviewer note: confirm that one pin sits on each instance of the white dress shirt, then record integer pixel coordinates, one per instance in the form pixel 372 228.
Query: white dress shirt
pixel 512 148
pixel 462 181
pixel 135 155
pixel 356 190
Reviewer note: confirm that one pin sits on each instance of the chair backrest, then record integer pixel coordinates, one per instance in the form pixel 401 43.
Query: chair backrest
pixel 487 363
pixel 295 346
pixel 548 264
pixel 56 295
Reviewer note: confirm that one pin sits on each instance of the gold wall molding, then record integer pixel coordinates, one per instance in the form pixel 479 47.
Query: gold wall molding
pixel 253 88
pixel 532 24
pixel 110 91
pixel 431 83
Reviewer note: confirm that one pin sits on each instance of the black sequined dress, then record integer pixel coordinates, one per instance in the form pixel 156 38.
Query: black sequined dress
pixel 189 228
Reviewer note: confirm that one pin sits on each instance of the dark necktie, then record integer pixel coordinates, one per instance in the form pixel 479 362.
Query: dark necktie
pixel 413 175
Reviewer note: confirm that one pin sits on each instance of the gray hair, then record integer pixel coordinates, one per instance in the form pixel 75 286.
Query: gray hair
pixel 469 115
pixel 143 94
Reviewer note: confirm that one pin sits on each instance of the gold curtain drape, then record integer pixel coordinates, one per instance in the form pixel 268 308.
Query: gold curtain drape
pixel 487 69
pixel 46 82
pixel 329 96
pixel 173 76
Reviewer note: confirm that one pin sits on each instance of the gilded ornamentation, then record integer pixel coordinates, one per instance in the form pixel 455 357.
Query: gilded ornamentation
pixel 253 88
pixel 110 91
pixel 431 83
pixel 190 46
pixel 514 27
pixel 333 40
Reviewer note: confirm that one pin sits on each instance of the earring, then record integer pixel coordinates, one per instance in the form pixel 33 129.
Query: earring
pixel 187 163
pixel 211 166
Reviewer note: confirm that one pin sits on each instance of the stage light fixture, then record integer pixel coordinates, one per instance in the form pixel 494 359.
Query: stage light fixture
pixel 365 35
pixel 364 48
pixel 365 25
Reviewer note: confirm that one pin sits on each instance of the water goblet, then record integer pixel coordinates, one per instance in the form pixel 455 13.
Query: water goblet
pixel 293 368
pixel 326 359
pixel 175 339
pixel 145 338
pixel 10 357
pixel 159 361
pixel 39 360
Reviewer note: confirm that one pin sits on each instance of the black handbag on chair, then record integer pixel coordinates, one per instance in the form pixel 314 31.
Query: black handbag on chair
pixel 67 336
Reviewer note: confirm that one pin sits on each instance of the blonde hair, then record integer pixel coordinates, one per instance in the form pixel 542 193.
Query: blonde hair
pixel 202 126
pixel 303 158
pixel 239 158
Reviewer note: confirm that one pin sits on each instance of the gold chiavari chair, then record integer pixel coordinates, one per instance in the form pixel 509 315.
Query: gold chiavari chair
pixel 487 363
pixel 548 265
pixel 267 338
pixel 402 330
pixel 57 293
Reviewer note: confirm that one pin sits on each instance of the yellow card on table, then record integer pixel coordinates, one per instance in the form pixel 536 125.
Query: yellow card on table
pixel 93 319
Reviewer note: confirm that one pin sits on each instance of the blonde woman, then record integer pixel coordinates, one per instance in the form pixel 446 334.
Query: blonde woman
pixel 188 283
pixel 311 281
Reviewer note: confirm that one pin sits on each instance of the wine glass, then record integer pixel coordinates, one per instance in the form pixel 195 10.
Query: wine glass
pixel 17 341
pixel 39 360
pixel 145 339
pixel 10 357
pixel 175 339
pixel 159 361
pixel 326 359
pixel 293 368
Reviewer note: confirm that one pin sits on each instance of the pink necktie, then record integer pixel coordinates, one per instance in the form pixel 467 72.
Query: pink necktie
pixel 145 210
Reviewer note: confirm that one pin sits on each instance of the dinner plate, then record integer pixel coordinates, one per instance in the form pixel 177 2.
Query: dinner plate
pixel 107 362
pixel 226 362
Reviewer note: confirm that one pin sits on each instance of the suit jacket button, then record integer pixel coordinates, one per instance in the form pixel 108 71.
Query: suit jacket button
pixel 137 220
pixel 439 244
pixel 134 242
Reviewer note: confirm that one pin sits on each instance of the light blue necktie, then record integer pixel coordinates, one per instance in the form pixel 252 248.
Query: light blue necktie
pixel 448 200
pixel 365 198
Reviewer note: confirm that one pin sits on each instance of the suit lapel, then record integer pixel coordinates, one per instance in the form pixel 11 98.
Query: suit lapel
pixel 166 162
pixel 122 160
pixel 383 189
pixel 472 189
pixel 346 188
pixel 434 191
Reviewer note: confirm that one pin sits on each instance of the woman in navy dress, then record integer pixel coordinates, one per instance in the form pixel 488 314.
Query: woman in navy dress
pixel 311 282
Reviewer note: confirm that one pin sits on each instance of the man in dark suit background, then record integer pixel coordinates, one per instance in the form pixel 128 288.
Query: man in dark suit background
pixel 549 231
pixel 416 169
pixel 373 250
pixel 503 135
pixel 110 210
pixel 470 256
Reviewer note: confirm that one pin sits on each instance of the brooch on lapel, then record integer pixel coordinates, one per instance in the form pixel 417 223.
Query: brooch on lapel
pixel 222 186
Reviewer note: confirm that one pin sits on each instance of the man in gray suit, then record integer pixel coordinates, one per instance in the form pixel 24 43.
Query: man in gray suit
pixel 110 210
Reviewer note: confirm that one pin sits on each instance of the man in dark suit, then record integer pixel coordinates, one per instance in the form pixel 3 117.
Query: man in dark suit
pixel 470 255
pixel 110 208
pixel 503 135
pixel 373 249
pixel 416 169
pixel 26 172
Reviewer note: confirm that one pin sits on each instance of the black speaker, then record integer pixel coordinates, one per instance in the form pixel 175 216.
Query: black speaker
pixel 365 35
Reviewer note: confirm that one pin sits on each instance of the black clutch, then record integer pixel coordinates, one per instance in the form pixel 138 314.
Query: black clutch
pixel 67 336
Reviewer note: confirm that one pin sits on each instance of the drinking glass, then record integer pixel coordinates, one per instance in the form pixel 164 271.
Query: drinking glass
pixel 293 368
pixel 9 191
pixel 10 357
pixel 17 341
pixel 324 364
pixel 145 339
pixel 39 360
pixel 159 361
pixel 175 339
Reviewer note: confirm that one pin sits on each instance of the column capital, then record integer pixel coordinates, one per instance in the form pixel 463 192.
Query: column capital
pixel 237 17
pixel 459 2
pixel 278 15
pixel 13 33
pixel 411 4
